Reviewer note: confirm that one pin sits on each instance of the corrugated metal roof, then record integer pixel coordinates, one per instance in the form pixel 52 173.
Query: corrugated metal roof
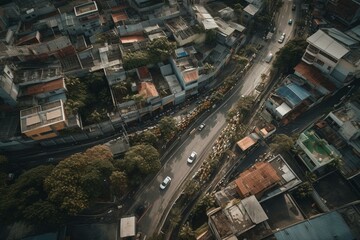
pixel 251 9
pixel 324 227
pixel 293 93
pixel 327 44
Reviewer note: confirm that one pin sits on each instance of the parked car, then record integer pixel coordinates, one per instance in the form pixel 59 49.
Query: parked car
pixel 192 157
pixel 268 57
pixel 165 183
pixel 201 127
pixel 282 38
pixel 290 21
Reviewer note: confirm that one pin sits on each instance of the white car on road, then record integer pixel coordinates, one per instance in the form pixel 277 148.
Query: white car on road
pixel 165 183
pixel 192 157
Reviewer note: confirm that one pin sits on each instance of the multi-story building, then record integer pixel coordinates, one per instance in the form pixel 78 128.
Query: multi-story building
pixel 334 53
pixel 43 121
pixel 315 151
pixel 8 89
pixel 186 69
pixel 84 19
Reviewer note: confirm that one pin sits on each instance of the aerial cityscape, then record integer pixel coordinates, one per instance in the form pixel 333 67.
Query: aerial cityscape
pixel 180 119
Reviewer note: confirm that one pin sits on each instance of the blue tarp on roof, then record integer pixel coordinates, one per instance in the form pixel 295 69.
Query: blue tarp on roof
pixel 293 93
pixel 325 227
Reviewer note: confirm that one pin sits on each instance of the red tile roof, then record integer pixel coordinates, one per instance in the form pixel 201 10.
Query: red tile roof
pixel 256 179
pixel 314 75
pixel 45 87
pixel 190 76
pixel 120 16
pixel 148 90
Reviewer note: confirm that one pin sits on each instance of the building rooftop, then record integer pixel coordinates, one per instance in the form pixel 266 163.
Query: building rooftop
pixel 127 227
pixel 31 76
pixel 317 148
pixel 148 90
pixel 42 115
pixel 237 217
pixel 324 42
pixel 119 16
pixel 251 9
pixel 173 83
pixel 293 94
pixel 247 142
pixel 132 39
pixel 314 76
pixel 327 226
pixel 45 87
pixel 143 73
pixel 256 179
pixel 86 8
pixel 190 75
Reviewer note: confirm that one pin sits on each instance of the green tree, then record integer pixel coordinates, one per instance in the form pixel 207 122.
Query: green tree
pixel 304 190
pixel 281 142
pixel 208 68
pixel 146 137
pixel 290 55
pixel 26 199
pixel 168 128
pixel 79 179
pixel 136 59
pixel 140 161
pixel 192 187
pixel 119 183
pixel 186 232
pixel 160 49
pixel 175 216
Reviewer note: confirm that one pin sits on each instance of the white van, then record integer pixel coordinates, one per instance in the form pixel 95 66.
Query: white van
pixel 269 57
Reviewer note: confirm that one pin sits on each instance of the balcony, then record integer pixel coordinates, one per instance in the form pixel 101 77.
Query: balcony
pixel 309 59
pixel 312 50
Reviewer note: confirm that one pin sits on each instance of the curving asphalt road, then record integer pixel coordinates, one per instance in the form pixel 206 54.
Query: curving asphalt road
pixel 176 166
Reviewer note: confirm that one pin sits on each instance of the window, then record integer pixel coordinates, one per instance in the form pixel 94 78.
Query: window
pixel 319 62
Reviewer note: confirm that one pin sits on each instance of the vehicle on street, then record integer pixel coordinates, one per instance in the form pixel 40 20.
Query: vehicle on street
pixel 282 38
pixel 268 57
pixel 293 7
pixel 192 157
pixel 201 127
pixel 290 21
pixel 165 183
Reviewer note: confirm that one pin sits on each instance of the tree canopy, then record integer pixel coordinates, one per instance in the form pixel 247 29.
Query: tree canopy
pixel 168 128
pixel 79 179
pixel 139 161
pixel 26 199
pixel 281 142
pixel 289 55
pixel 160 49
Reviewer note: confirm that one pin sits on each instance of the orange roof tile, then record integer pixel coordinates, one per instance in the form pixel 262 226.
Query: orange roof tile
pixel 148 90
pixel 45 87
pixel 256 179
pixel 120 16
pixel 246 142
pixel 314 75
pixel 132 39
pixel 191 75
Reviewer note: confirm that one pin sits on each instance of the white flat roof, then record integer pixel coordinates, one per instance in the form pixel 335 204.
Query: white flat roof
pixel 127 227
pixel 327 44
pixel 283 109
